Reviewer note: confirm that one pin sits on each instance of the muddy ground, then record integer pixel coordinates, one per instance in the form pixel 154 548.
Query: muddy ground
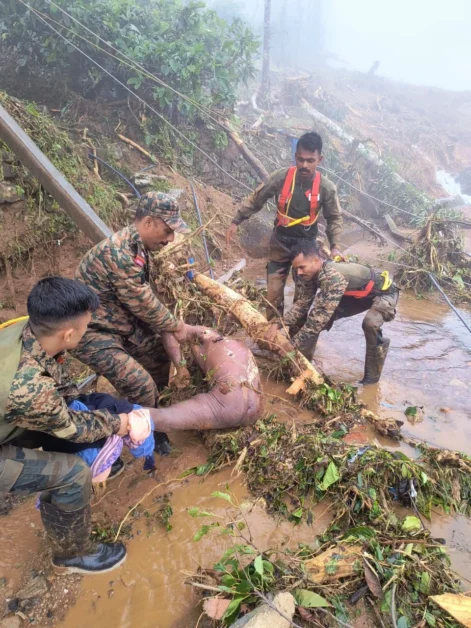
pixel 428 365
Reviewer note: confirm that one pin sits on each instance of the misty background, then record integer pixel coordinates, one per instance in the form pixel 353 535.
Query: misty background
pixel 425 42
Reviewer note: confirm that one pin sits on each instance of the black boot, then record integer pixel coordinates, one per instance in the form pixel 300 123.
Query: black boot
pixel 162 444
pixel 116 469
pixel 308 346
pixel 72 549
pixel 374 361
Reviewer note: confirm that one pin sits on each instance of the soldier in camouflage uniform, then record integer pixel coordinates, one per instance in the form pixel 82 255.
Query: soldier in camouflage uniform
pixel 36 390
pixel 336 290
pixel 302 194
pixel 123 341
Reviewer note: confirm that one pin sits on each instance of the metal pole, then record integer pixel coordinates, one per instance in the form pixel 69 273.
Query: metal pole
pixel 51 179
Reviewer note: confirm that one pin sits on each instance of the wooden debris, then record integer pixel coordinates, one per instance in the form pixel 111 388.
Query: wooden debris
pixel 336 563
pixel 246 153
pixel 456 605
pixel 397 233
pixel 137 147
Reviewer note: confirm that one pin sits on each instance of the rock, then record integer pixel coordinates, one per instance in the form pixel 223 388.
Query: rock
pixel 8 171
pixel 11 622
pixel 37 587
pixel 266 617
pixel 9 194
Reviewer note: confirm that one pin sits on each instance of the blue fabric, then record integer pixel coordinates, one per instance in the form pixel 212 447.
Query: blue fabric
pixel 146 450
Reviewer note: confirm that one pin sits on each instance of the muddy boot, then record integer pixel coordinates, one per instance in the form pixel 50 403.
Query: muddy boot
pixel 308 346
pixel 374 361
pixel 162 444
pixel 72 550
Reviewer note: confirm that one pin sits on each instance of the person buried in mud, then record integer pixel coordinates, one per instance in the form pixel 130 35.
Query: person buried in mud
pixel 302 194
pixel 336 290
pixel 123 341
pixel 36 411
pixel 235 398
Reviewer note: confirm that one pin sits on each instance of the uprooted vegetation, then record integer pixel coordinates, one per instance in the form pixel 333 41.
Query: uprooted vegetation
pixel 438 249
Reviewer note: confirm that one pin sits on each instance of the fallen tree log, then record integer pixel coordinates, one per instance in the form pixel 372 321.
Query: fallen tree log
pixel 246 153
pixel 257 327
pixel 397 233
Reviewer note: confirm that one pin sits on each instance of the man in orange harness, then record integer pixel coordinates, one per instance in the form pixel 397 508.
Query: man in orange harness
pixel 330 290
pixel 302 194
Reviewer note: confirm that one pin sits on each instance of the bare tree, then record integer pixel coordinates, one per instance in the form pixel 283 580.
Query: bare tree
pixel 265 87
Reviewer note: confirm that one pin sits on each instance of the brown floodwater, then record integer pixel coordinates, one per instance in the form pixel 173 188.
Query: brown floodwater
pixel 429 365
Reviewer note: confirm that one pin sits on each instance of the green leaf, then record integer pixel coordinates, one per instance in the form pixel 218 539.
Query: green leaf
pixel 204 468
pixel 233 610
pixel 403 622
pixel 196 512
pixel 424 586
pixel 430 619
pixel 411 411
pixel 361 532
pixel 297 514
pixel 411 524
pixel 225 496
pixel 258 565
pixel 309 599
pixel 331 476
pixel 203 531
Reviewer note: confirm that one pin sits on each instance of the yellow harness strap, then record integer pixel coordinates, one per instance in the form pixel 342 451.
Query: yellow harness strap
pixel 387 280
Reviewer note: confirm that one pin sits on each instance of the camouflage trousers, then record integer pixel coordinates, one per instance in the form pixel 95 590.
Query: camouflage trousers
pixel 137 365
pixel 64 480
pixel 278 269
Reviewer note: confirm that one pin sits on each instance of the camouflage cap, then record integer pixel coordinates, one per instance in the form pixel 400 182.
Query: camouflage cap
pixel 165 207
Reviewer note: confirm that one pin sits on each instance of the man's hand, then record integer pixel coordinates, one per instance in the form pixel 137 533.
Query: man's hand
pixel 231 233
pixel 139 425
pixel 336 253
pixel 124 427
pixel 181 332
pixel 182 378
pixel 278 338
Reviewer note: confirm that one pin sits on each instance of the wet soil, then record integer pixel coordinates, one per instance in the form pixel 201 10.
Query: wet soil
pixel 428 365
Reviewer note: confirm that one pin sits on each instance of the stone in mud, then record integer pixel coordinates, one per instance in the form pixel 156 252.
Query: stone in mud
pixel 266 617
pixel 11 622
pixel 37 587
pixel 255 234
pixel 8 194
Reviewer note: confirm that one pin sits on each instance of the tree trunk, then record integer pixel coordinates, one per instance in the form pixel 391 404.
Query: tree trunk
pixel 265 87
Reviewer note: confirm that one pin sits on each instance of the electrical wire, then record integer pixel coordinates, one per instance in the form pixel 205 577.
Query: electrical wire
pixel 40 15
pixel 209 112
pixel 159 115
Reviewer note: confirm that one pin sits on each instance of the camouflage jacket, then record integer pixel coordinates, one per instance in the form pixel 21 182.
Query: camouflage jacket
pixel 37 399
pixel 323 292
pixel 118 269
pixel 329 204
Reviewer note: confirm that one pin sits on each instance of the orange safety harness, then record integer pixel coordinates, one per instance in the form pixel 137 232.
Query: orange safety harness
pixel 286 196
pixel 360 294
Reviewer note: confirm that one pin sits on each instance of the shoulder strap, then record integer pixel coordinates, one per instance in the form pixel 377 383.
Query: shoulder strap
pixel 286 191
pixel 10 354
pixel 315 193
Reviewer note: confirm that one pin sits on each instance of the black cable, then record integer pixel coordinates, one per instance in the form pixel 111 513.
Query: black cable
pixel 120 174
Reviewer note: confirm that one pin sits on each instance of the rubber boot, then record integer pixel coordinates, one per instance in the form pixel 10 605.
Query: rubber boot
pixel 374 361
pixel 72 549
pixel 162 446
pixel 308 347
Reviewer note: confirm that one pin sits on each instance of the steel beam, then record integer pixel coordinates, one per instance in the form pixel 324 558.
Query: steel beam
pixel 51 179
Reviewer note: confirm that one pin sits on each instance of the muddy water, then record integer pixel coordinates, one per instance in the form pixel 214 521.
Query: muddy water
pixel 149 589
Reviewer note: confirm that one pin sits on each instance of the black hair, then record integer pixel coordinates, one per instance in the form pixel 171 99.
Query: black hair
pixel 305 247
pixel 311 142
pixel 55 301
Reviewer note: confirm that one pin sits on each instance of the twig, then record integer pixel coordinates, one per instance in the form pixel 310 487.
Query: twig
pixel 393 605
pixel 206 587
pixel 131 510
pixel 137 147
pixel 171 250
pixel 271 605
pixel 339 621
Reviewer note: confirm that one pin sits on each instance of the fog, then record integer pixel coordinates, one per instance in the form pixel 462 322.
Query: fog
pixel 426 42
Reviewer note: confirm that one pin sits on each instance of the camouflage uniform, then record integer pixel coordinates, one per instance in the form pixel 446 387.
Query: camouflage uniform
pixel 38 402
pixel 284 238
pixel 330 304
pixel 123 340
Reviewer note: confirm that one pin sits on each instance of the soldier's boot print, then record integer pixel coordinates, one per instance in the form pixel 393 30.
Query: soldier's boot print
pixel 68 533
pixel 374 361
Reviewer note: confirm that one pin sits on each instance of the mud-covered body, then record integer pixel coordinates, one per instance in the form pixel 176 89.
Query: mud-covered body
pixel 235 397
